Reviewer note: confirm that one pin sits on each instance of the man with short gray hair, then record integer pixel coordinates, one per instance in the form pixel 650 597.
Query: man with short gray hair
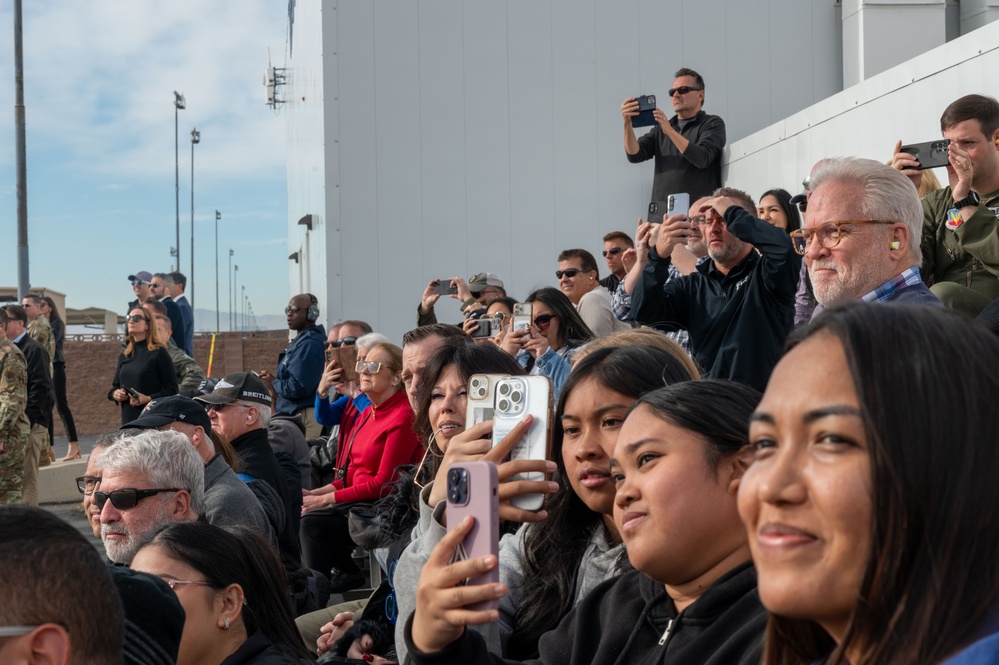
pixel 148 479
pixel 861 236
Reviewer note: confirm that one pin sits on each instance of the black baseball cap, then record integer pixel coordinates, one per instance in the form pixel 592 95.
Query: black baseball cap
pixel 243 386
pixel 166 410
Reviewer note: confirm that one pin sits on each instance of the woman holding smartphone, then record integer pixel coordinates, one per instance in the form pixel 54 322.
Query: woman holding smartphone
pixel 551 565
pixel 677 464
pixel 870 505
pixel 555 333
pixel 145 370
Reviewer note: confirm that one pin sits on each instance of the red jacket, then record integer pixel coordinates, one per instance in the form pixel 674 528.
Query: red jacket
pixel 377 443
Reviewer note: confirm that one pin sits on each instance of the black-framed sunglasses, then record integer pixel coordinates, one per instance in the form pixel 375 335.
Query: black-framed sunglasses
pixel 135 318
pixel 343 341
pixel 683 90
pixel 87 484
pixel 127 497
pixel 613 251
pixel 569 272
pixel 542 321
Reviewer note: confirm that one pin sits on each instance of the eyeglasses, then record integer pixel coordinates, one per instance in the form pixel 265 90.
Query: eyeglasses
pixel 343 341
pixel 370 366
pixel 15 631
pixel 173 583
pixel 682 90
pixel 135 318
pixel 698 221
pixel 613 251
pixel 87 484
pixel 569 272
pixel 828 235
pixel 127 497
pixel 138 282
pixel 542 321
pixel 292 309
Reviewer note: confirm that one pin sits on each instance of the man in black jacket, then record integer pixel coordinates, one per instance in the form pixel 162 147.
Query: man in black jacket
pixel 39 406
pixel 739 306
pixel 686 148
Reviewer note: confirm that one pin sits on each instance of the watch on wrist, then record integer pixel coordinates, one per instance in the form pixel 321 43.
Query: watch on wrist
pixel 971 199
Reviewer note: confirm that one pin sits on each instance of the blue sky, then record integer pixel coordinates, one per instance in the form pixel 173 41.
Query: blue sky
pixel 99 82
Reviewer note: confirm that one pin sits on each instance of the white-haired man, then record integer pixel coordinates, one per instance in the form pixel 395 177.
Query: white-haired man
pixel 861 236
pixel 148 479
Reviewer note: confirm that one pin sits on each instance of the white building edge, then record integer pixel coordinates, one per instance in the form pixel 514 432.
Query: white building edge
pixel 450 137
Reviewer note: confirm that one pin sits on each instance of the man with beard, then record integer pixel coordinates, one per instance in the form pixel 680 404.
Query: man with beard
pixel 861 238
pixel 148 479
pixel 738 307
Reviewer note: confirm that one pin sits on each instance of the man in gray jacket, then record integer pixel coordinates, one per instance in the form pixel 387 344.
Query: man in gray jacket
pixel 228 500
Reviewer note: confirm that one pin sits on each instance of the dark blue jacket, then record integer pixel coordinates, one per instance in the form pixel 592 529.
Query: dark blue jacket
pixel 300 366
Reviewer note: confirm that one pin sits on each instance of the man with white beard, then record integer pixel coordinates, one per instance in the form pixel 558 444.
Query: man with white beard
pixel 148 479
pixel 861 235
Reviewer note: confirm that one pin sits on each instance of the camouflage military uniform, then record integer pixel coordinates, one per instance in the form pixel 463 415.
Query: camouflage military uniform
pixel 189 372
pixel 14 427
pixel 40 330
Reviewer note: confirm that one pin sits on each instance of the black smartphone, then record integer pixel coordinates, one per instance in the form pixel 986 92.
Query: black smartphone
pixel 646 105
pixel 931 154
pixel 444 287
pixel 132 391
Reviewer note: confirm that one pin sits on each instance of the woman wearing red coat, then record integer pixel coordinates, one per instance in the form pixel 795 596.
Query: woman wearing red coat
pixel 372 446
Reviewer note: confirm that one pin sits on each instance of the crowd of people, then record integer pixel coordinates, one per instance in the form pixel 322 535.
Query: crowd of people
pixel 771 441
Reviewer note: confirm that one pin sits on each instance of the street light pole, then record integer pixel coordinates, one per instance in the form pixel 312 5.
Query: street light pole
pixel 20 159
pixel 242 306
pixel 218 216
pixel 195 139
pixel 178 103
pixel 229 291
pixel 235 290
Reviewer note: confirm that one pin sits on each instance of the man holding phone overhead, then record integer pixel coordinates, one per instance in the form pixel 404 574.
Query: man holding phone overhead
pixel 686 148
pixel 960 240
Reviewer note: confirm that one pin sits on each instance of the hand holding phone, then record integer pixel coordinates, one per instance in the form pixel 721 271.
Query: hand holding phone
pixel 930 154
pixel 646 107
pixel 445 287
pixel 473 489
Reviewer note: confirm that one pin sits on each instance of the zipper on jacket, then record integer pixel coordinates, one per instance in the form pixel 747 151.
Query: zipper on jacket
pixel 669 626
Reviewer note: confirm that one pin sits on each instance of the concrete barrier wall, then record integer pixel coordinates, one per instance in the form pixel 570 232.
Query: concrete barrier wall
pixel 90 369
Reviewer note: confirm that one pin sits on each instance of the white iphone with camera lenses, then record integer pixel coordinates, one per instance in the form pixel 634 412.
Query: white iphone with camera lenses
pixel 515 398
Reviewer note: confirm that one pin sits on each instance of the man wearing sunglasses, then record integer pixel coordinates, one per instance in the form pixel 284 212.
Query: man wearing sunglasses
pixel 861 235
pixel 148 479
pixel 618 258
pixel 687 147
pixel 577 276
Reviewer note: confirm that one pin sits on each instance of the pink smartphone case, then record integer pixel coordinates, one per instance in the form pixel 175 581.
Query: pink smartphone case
pixel 483 505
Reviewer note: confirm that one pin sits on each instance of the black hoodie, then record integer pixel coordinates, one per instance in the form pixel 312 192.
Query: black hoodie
pixel 630 620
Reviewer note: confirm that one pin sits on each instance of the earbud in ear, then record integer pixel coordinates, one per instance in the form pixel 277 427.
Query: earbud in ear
pixel 895 244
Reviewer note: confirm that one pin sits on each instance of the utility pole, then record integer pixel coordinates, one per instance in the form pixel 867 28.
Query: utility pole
pixel 178 103
pixel 195 139
pixel 23 283
pixel 218 216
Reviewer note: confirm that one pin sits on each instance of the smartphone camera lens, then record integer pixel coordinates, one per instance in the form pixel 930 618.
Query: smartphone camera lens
pixel 517 396
pixel 504 389
pixel 503 405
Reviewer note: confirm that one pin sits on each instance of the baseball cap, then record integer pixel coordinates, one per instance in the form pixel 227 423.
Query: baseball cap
pixel 478 282
pixel 142 276
pixel 175 408
pixel 245 386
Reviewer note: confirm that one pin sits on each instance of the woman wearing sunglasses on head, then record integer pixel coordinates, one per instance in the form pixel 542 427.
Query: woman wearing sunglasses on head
pixel 145 370
pixel 549 566
pixel 232 588
pixel 870 504
pixel 676 467
pixel 556 332
pixel 371 447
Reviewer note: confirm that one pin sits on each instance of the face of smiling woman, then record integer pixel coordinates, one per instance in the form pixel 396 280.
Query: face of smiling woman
pixel 806 499
pixel 676 515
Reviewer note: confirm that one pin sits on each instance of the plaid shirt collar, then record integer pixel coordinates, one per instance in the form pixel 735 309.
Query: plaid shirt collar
pixel 906 278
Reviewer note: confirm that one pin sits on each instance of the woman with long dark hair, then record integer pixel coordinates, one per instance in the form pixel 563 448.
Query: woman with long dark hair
pixel 676 467
pixel 549 566
pixel 776 209
pixel 51 312
pixel 145 370
pixel 555 333
pixel 870 505
pixel 232 587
